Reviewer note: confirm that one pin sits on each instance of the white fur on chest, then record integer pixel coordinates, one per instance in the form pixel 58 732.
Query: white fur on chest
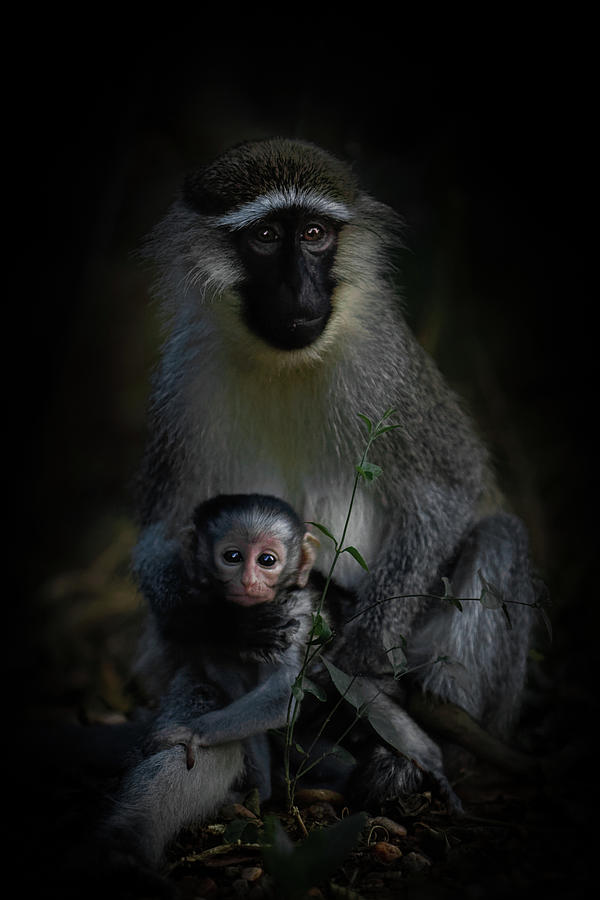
pixel 279 436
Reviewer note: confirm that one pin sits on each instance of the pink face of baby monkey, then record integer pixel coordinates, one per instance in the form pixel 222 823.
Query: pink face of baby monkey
pixel 250 569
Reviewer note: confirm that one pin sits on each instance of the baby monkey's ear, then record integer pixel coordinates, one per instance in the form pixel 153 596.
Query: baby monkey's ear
pixel 308 555
pixel 194 553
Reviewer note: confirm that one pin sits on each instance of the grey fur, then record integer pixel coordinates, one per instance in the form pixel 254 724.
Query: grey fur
pixel 231 414
pixel 160 796
pixel 222 682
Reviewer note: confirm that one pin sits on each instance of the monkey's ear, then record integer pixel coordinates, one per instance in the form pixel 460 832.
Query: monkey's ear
pixel 308 555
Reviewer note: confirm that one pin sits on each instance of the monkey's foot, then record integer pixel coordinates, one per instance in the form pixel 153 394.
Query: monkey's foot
pixel 389 775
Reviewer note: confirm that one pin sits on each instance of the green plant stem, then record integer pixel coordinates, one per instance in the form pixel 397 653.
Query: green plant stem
pixel 357 718
pixel 361 612
pixel 293 708
pixel 396 597
pixel 301 771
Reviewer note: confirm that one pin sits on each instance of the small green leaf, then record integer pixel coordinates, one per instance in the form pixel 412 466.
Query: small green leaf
pixel 347 685
pixel 369 471
pixel 398 660
pixel 325 531
pixel 367 422
pixel 491 597
pixel 298 689
pixel 383 430
pixel 300 749
pixel 448 592
pixel 311 688
pixel 321 632
pixel 362 694
pixel 343 755
pixel 356 555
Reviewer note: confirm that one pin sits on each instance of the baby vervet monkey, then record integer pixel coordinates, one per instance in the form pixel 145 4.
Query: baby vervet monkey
pixel 223 659
pixel 243 627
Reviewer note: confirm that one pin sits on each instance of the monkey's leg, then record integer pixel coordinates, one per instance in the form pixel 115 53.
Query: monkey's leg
pixel 491 656
pixel 258 765
pixel 488 659
pixel 161 795
pixel 257 755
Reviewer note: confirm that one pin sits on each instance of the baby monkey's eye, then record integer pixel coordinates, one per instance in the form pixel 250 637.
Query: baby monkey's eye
pixel 232 557
pixel 267 560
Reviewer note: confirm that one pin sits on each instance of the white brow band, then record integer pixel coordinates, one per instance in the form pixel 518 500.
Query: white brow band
pixel 282 199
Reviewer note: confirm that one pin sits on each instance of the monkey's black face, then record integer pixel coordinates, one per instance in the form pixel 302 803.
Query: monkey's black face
pixel 288 260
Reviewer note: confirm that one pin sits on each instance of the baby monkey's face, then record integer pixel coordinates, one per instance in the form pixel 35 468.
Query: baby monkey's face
pixel 250 569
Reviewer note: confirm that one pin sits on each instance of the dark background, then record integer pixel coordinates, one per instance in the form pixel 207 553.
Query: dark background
pixel 483 143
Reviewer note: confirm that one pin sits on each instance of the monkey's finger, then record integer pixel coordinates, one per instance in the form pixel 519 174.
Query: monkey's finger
pixel 190 756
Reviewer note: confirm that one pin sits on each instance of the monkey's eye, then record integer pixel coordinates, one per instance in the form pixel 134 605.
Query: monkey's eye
pixel 266 234
pixel 232 557
pixel 266 560
pixel 314 231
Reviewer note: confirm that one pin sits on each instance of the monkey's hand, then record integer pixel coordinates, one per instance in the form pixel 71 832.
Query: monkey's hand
pixel 268 638
pixel 184 735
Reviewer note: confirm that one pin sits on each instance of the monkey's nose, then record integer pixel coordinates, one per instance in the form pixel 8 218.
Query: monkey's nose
pixel 248 578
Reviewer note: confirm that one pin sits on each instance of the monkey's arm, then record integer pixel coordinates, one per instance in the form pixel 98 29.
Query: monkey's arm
pixel 186 721
pixel 183 719
pixel 159 568
pixel 256 712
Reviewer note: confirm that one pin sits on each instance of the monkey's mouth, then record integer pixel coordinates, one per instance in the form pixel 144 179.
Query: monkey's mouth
pixel 286 329
pixel 302 332
pixel 299 324
pixel 249 599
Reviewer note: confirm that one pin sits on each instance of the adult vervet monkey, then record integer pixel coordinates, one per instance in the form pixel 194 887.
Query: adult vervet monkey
pixel 284 326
